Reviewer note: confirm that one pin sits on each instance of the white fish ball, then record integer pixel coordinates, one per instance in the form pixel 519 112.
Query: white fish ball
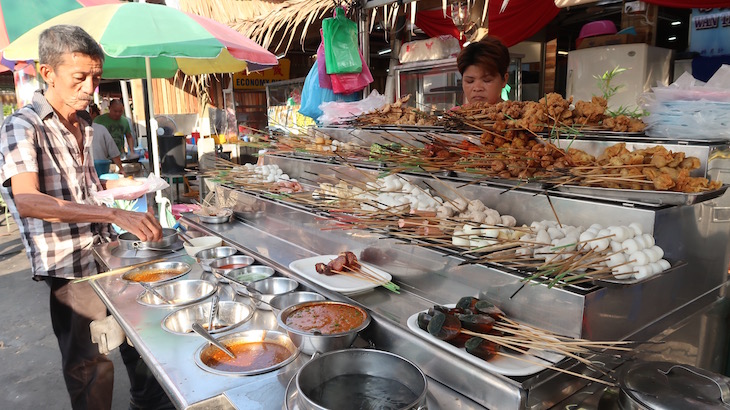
pixel 597 227
pixel 508 220
pixel 555 233
pixel 648 239
pixel 622 272
pixel 587 236
pixel 478 216
pixel 492 220
pixel 600 244
pixel 656 268
pixel 640 242
pixel 618 232
pixel 630 246
pixel 542 237
pixel 616 246
pixel 643 272
pixel 636 228
pixel 616 259
pixel 664 264
pixel 594 232
pixel 659 251
pixel 602 233
pixel 639 258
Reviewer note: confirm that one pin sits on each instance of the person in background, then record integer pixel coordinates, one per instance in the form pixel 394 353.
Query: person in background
pixel 48 180
pixel 483 66
pixel 117 125
pixel 103 146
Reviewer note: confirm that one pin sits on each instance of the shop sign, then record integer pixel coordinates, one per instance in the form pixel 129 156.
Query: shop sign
pixel 710 32
pixel 258 80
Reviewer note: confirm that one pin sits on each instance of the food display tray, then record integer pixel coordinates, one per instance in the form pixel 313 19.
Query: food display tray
pixel 641 196
pixel 346 285
pixel 508 366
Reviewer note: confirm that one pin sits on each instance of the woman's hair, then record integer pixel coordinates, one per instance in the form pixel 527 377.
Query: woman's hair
pixel 489 53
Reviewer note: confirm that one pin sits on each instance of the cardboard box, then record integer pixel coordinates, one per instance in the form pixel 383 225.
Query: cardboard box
pixel 609 40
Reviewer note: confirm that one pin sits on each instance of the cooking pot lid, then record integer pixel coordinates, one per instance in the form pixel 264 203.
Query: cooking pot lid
pixel 664 385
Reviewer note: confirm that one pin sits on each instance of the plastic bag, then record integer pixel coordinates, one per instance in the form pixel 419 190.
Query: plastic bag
pixel 340 45
pixel 324 78
pixel 313 95
pixel 153 183
pixel 350 83
pixel 336 111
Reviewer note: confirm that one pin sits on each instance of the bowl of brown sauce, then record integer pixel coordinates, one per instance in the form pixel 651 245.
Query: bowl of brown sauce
pixel 157 272
pixel 323 326
pixel 257 351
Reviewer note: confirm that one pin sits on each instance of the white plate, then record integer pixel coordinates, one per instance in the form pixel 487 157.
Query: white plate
pixel 498 364
pixel 347 285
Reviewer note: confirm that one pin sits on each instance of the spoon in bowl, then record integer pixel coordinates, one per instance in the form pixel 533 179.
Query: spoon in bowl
pixel 202 332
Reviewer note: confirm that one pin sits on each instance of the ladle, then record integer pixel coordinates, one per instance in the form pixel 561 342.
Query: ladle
pixel 152 290
pixel 213 311
pixel 204 333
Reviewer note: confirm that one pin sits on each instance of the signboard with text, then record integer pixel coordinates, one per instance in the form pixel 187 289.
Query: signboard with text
pixel 710 32
pixel 258 80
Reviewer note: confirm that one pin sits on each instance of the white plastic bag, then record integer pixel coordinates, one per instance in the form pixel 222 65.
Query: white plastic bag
pixel 153 183
pixel 435 48
pixel 336 111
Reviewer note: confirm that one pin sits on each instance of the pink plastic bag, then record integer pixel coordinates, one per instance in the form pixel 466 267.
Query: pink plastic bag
pixel 324 78
pixel 350 83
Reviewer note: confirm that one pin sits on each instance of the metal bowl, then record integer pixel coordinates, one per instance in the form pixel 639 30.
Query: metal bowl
pixel 360 378
pixel 281 302
pixel 204 354
pixel 179 293
pixel 239 278
pixel 201 243
pixel 223 217
pixel 236 261
pixel 205 257
pixel 310 342
pixel 266 289
pixel 137 274
pixel 230 315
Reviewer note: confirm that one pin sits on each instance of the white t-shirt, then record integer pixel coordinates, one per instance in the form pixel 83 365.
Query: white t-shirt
pixel 103 146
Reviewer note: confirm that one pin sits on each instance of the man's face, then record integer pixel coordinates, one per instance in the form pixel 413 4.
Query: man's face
pixel 115 111
pixel 74 80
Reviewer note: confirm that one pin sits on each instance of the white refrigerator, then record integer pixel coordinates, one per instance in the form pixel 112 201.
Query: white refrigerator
pixel 646 66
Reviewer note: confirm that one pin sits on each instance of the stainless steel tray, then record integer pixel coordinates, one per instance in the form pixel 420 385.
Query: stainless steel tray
pixel 640 196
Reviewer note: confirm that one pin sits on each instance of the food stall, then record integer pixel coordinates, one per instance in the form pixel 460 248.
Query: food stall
pixel 683 307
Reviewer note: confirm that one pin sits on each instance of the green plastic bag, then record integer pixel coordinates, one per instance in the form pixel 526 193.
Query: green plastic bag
pixel 340 44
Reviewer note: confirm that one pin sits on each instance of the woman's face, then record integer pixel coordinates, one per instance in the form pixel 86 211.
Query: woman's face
pixel 481 86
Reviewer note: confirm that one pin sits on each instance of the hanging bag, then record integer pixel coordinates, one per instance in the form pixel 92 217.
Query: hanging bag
pixel 324 78
pixel 350 83
pixel 340 45
pixel 313 95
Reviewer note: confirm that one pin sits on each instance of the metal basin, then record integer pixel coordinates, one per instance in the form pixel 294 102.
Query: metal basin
pixel 361 378
pixel 129 241
pixel 206 355
pixel 165 271
pixel 266 289
pixel 281 302
pixel 179 293
pixel 223 216
pixel 230 315
pixel 310 342
pixel 205 257
pixel 239 278
pixel 220 267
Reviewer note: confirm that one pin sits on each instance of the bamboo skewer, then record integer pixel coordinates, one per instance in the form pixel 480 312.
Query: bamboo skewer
pixel 116 271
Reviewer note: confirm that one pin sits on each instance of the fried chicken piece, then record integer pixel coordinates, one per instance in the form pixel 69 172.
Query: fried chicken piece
pixel 690 163
pixel 557 107
pixel 613 151
pixel 590 112
pixel 677 158
pixel 661 158
pixel 650 172
pixel 579 157
pixel 663 182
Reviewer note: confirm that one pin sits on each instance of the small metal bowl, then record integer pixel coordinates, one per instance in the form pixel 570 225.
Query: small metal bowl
pixel 230 315
pixel 239 278
pixel 179 293
pixel 176 269
pixel 204 354
pixel 266 289
pixel 205 257
pixel 281 302
pixel 220 267
pixel 223 217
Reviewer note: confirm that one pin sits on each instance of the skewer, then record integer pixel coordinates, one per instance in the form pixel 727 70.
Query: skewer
pixel 117 271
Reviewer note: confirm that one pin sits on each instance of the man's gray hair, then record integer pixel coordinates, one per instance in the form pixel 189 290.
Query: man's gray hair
pixel 62 39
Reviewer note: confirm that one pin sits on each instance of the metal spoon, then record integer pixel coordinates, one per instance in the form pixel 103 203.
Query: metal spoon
pixel 154 291
pixel 202 332
pixel 213 312
pixel 184 238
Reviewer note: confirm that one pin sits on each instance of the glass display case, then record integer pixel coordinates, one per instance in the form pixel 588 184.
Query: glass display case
pixel 435 86
pixel 283 99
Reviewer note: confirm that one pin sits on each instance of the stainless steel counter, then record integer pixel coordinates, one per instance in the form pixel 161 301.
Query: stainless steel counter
pixel 170 356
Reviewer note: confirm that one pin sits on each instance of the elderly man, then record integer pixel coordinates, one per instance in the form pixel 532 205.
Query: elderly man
pixel 117 124
pixel 48 180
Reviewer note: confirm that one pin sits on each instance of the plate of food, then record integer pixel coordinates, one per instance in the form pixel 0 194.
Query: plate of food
pixel 341 273
pixel 508 364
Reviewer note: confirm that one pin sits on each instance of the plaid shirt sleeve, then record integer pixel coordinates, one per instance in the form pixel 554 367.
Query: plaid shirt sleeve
pixel 17 148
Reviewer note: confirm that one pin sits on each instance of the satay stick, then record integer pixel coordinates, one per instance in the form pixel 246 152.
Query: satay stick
pixel 116 271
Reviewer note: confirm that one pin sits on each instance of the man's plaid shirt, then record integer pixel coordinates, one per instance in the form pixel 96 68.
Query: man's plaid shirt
pixel 33 139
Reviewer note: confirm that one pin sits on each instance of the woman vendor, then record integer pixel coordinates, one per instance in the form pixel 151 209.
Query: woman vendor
pixel 483 66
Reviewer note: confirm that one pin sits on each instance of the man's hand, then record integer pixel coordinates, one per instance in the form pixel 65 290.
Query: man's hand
pixel 143 225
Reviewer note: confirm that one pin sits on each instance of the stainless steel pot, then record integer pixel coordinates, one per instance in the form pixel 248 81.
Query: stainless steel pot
pixel 130 242
pixel 361 378
pixel 309 342
pixel 664 385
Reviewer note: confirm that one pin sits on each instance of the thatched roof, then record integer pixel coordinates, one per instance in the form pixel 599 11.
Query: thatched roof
pixel 263 21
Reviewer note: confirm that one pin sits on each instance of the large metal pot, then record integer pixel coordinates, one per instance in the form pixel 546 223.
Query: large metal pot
pixel 361 378
pixel 664 385
pixel 310 343
pixel 130 242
